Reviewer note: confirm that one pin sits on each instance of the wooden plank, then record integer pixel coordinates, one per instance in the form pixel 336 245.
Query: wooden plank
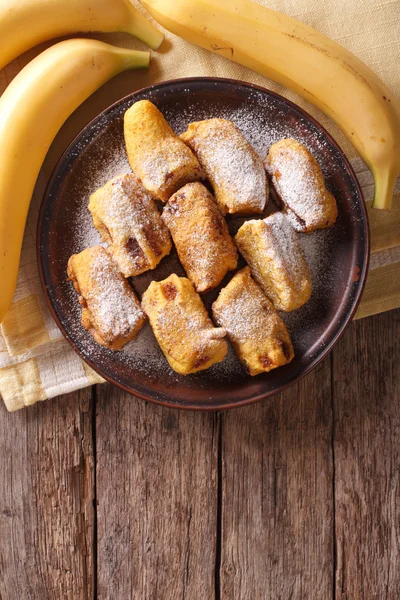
pixel 46 500
pixel 277 503
pixel 157 496
pixel 366 375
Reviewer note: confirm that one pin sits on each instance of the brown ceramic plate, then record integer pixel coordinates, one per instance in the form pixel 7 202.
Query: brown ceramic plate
pixel 338 257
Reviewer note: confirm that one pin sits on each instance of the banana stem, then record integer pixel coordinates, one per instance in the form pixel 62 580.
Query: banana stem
pixel 141 28
pixel 134 59
pixel 385 180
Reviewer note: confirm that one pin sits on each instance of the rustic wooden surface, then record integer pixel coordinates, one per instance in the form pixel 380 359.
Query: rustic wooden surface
pixel 46 500
pixel 104 496
pixel 277 505
pixel 366 394
pixel 157 499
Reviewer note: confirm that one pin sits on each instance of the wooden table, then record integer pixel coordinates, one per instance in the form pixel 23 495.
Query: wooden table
pixel 105 496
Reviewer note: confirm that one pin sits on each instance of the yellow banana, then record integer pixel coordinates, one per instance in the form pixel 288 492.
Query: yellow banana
pixel 25 23
pixel 304 60
pixel 32 110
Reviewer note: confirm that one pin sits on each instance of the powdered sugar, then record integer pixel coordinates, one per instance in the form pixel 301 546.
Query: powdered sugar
pixel 287 252
pixel 298 180
pixel 113 307
pixel 244 319
pixel 272 250
pixel 160 159
pixel 318 247
pixel 233 167
pixel 138 237
pixel 100 155
pixel 143 354
pixel 252 324
pixel 200 235
pixel 113 163
pixel 119 207
pixel 156 165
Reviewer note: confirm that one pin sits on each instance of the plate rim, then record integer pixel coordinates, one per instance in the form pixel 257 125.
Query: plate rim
pixel 314 363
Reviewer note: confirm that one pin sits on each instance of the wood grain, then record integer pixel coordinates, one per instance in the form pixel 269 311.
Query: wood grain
pixel 46 501
pixel 160 529
pixel 366 376
pixel 277 509
pixel 157 500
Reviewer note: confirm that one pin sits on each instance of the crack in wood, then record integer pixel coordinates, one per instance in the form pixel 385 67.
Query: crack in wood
pixel 218 539
pixel 334 546
pixel 95 540
pixel 187 556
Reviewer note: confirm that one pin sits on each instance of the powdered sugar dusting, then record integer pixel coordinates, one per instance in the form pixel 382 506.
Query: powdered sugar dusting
pixel 277 262
pixel 158 167
pixel 233 167
pixel 143 354
pixel 111 162
pixel 249 323
pixel 100 155
pixel 286 250
pixel 318 247
pixel 129 213
pixel 298 181
pixel 200 235
pixel 116 310
pixel 119 209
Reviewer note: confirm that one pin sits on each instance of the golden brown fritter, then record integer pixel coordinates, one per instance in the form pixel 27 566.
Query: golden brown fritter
pixel 253 326
pixel 273 253
pixel 201 236
pixel 300 185
pixel 233 167
pixel 181 325
pixel 110 310
pixel 126 216
pixel 156 154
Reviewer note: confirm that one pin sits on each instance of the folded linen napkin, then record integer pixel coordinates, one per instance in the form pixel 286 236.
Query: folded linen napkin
pixel 35 361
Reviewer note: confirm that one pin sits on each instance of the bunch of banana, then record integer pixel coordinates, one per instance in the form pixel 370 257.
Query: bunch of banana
pixel 25 23
pixel 305 61
pixel 32 110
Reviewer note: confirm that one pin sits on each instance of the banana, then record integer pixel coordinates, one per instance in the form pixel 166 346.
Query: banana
pixel 307 62
pixel 32 110
pixel 25 23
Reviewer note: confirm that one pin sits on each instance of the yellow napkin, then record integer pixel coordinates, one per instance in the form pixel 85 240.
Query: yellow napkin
pixel 35 361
